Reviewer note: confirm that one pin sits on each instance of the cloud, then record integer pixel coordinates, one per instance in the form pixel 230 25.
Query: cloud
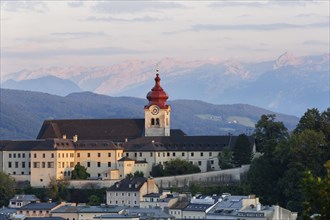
pixel 315 42
pixel 28 6
pixel 75 4
pixel 111 19
pixel 261 4
pixel 133 6
pixel 260 27
pixel 97 51
pixel 73 35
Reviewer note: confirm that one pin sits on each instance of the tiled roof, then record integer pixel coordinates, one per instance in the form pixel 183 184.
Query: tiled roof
pixel 88 209
pixel 197 207
pixel 125 159
pixel 40 206
pixel 24 198
pixel 56 143
pixel 182 143
pixel 128 184
pixel 116 130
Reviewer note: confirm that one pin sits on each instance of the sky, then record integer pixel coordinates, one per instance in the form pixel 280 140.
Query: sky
pixel 41 34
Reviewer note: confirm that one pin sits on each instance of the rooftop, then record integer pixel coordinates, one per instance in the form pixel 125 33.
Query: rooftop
pixel 128 184
pixel 40 206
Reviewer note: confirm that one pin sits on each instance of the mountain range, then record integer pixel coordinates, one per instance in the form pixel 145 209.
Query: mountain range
pixel 23 112
pixel 288 84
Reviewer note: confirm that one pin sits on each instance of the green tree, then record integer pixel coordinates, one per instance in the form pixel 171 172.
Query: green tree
pixel 242 150
pixel 268 133
pixel 52 190
pixel 225 158
pixel 139 173
pixel 317 194
pixel 311 120
pixel 94 200
pixel 157 170
pixel 7 188
pixel 178 167
pixel 79 173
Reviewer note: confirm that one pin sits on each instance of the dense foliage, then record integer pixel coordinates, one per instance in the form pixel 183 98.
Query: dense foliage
pixel 7 188
pixel 289 161
pixel 174 167
pixel 242 153
pixel 79 173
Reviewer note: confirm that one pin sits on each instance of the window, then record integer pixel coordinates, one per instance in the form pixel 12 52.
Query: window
pixel 59 164
pixel 157 121
pixel 88 154
pixel 19 155
pixel 63 164
pixel 135 154
pixel 52 155
pixel 36 164
pixel 71 155
pixel 78 154
pixel 43 164
pixel 192 154
pixel 210 154
pixel 98 164
pixel 59 155
pixel 35 155
pixel 16 164
pixel 50 164
pixel 23 164
pixel 14 155
pixel 199 163
pixel 109 154
pixel 67 155
pixel 99 154
pixel 9 155
pixel 109 164
pixel 152 121
pixel 62 155
pixel 168 154
pixel 9 164
pixel 23 155
pixel 29 155
pixel 158 154
pixel 43 155
pixel 29 164
pixel 151 154
pixel 202 154
pixel 88 164
pixel 173 154
pixel 212 162
pixel 71 164
pixel 183 154
pixel 140 154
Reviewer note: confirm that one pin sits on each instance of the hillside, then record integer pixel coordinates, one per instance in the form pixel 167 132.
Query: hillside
pixel 22 113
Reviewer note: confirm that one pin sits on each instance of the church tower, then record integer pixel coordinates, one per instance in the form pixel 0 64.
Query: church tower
pixel 157 112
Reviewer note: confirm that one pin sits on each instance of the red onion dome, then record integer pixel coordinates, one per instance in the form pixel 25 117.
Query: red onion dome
pixel 157 96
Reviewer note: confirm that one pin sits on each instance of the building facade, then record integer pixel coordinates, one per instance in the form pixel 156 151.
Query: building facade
pixel 110 148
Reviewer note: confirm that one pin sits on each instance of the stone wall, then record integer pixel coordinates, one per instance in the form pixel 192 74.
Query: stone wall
pixel 221 176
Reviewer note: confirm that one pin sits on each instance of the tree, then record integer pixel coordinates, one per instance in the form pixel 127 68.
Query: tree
pixel 311 120
pixel 52 189
pixel 7 188
pixel 225 158
pixel 94 200
pixel 178 167
pixel 79 173
pixel 269 133
pixel 242 150
pixel 317 194
pixel 157 170
pixel 139 173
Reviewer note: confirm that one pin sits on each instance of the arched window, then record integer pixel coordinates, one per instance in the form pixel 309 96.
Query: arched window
pixel 157 121
pixel 152 121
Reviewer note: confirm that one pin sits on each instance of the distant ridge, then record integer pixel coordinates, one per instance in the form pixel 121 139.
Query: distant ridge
pixel 287 84
pixel 47 84
pixel 23 112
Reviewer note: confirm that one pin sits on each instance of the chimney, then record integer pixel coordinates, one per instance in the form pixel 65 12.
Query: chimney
pixel 151 186
pixel 64 136
pixel 75 138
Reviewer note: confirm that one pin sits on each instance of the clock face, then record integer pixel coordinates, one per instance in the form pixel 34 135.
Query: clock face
pixel 155 110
